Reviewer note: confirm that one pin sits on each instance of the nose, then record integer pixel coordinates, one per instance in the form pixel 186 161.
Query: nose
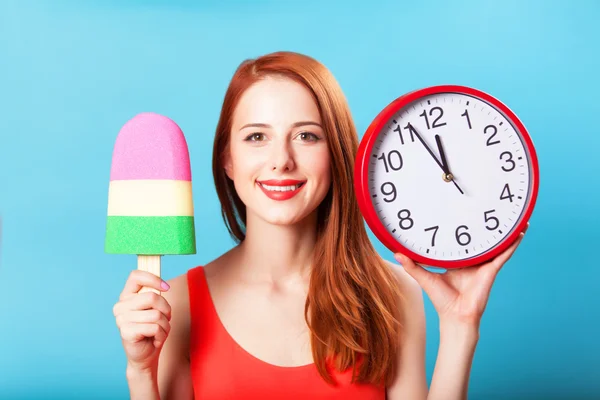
pixel 282 158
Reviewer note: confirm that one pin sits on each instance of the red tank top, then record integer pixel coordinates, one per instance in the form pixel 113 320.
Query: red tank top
pixel 222 369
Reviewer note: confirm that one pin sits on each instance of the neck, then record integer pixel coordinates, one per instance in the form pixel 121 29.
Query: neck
pixel 276 253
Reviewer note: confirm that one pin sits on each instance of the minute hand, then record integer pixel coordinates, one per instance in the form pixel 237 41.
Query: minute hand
pixel 413 130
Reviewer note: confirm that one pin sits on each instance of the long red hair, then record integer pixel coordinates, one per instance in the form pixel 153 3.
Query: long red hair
pixel 353 304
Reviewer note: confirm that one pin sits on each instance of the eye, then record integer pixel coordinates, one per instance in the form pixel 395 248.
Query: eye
pixel 309 137
pixel 255 137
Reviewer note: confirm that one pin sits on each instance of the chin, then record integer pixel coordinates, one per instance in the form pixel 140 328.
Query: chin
pixel 283 216
pixel 279 219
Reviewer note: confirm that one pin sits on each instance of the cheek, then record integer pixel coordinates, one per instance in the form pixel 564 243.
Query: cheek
pixel 245 162
pixel 318 164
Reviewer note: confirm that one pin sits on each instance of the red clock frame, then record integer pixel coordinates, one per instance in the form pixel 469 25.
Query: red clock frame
pixel 361 178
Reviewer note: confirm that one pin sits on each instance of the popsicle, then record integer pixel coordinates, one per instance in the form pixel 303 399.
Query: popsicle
pixel 150 206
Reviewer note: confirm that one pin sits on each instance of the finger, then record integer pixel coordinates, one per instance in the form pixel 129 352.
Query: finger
pixel 127 325
pixel 135 332
pixel 503 257
pixel 151 300
pixel 144 317
pixel 421 275
pixel 139 279
pixel 143 301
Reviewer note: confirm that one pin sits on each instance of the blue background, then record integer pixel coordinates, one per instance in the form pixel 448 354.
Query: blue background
pixel 72 73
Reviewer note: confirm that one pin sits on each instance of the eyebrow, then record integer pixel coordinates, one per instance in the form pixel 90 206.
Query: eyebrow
pixel 294 125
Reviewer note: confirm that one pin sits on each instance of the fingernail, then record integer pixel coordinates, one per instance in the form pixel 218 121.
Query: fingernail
pixel 164 285
pixel 398 257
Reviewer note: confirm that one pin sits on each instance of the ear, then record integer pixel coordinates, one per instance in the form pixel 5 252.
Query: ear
pixel 226 162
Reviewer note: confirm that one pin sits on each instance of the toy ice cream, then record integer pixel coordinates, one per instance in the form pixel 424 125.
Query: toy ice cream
pixel 150 206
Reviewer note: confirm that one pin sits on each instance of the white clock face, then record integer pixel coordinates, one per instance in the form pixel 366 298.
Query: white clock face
pixel 471 211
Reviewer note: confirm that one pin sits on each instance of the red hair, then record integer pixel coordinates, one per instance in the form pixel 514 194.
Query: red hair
pixel 352 308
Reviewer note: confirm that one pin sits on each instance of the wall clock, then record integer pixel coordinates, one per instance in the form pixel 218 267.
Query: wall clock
pixel 448 175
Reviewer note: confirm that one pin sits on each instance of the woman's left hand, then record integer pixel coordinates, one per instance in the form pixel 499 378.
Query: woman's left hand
pixel 460 295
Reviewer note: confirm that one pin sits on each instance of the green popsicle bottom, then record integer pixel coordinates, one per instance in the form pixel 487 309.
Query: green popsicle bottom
pixel 150 235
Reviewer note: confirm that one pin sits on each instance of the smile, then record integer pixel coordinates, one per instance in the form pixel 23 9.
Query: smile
pixel 281 190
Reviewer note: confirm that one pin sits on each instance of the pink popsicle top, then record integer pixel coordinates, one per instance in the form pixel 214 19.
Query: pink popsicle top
pixel 150 146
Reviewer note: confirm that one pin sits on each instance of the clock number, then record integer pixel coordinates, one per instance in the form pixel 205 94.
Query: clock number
pixel 435 121
pixel 434 229
pixel 387 161
pixel 509 160
pixel 493 127
pixel 387 193
pixel 466 114
pixel 463 235
pixel 497 223
pixel 509 195
pixel 407 127
pixel 404 219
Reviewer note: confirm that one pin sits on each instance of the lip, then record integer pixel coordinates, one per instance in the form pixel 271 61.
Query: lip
pixel 281 182
pixel 281 196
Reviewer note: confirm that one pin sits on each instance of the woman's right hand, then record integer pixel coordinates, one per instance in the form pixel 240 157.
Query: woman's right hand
pixel 143 320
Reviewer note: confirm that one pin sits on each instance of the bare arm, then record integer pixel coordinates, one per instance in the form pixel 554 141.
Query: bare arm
pixel 410 381
pixel 453 364
pixel 142 384
pixel 455 353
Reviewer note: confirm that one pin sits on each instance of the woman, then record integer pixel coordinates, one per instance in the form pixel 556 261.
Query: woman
pixel 302 307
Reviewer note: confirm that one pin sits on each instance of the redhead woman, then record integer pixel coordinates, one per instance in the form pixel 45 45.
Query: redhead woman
pixel 302 307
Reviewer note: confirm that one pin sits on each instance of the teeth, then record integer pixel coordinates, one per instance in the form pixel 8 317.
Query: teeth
pixel 280 188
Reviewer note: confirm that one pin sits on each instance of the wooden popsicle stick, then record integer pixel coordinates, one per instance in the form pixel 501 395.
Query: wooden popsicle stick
pixel 152 265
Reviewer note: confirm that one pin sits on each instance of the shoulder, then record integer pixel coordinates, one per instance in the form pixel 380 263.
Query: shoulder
pixel 410 289
pixel 412 306
pixel 177 295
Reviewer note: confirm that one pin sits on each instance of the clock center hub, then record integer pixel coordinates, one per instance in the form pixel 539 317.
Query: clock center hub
pixel 448 177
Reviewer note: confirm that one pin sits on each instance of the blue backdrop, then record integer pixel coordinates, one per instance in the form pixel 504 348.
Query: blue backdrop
pixel 73 72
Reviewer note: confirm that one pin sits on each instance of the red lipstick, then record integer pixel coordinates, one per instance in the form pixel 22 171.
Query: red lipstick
pixel 278 194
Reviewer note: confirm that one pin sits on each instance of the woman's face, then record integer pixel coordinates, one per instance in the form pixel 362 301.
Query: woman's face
pixel 276 135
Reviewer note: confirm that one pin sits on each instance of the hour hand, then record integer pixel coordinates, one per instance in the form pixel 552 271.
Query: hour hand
pixel 438 140
pixel 447 174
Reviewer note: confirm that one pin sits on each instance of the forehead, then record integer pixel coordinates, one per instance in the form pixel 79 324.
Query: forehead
pixel 276 100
